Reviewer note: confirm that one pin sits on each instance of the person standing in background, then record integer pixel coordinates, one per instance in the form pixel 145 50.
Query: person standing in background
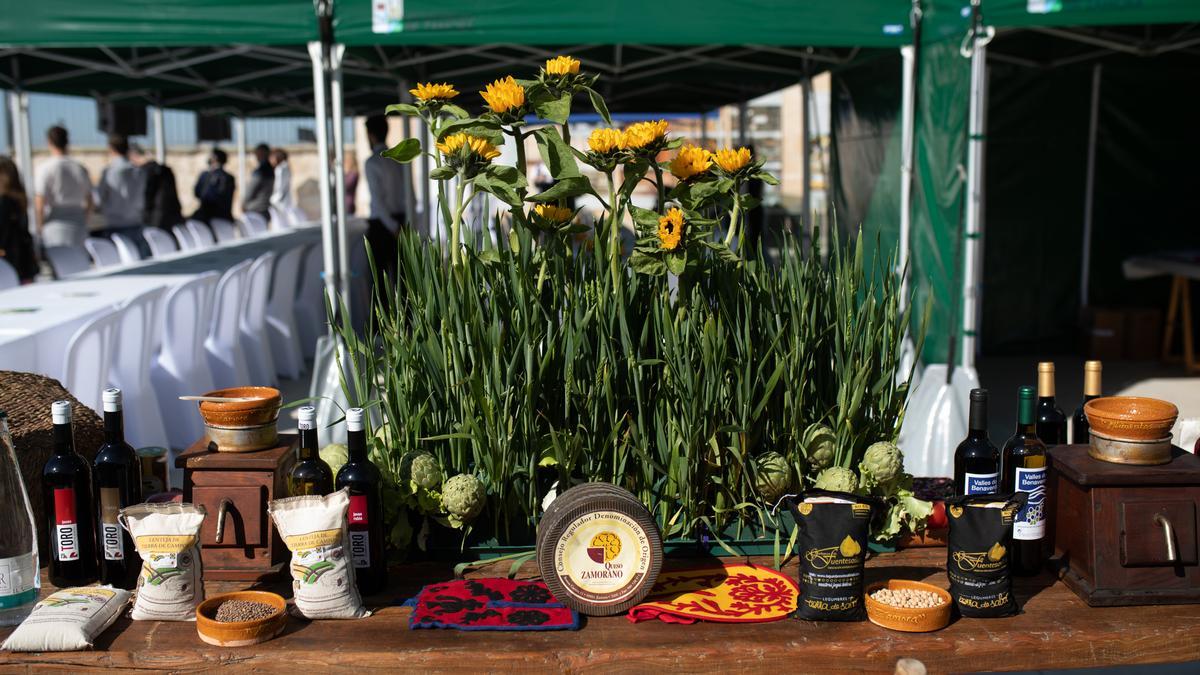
pixel 257 198
pixel 121 192
pixel 281 193
pixel 350 169
pixel 385 178
pixel 214 189
pixel 16 244
pixel 63 194
pixel 162 207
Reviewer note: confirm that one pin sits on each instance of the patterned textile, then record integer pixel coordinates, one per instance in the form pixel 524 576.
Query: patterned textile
pixel 730 593
pixel 490 604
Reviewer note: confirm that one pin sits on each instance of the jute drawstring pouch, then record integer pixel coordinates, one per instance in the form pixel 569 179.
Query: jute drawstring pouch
pixel 167 537
pixel 315 531
pixel 68 620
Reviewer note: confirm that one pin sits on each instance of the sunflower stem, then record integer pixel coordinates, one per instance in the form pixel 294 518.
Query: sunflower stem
pixel 566 133
pixel 658 179
pixel 455 242
pixel 735 219
pixel 614 238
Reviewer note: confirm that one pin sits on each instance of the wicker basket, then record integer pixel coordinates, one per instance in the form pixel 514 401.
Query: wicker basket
pixel 26 398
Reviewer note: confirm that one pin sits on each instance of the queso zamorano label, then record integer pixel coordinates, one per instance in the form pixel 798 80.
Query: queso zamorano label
pixel 602 557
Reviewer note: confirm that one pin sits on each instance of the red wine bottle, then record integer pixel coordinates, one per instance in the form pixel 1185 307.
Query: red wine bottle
pixel 1051 422
pixel 116 483
pixel 366 508
pixel 976 460
pixel 67 488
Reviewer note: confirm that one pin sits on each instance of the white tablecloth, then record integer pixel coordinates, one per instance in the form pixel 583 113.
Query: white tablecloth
pixel 38 320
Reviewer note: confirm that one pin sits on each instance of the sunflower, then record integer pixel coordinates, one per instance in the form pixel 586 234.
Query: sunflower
pixel 431 91
pixel 732 161
pixel 690 161
pixel 562 65
pixel 504 96
pixel 644 136
pixel 552 217
pixel 479 147
pixel 604 141
pixel 670 229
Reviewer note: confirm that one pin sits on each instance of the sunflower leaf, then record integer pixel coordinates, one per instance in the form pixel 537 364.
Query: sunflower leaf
pixel 401 109
pixel 556 110
pixel 645 219
pixel 489 129
pixel 564 189
pixel 766 178
pixel 643 263
pixel 443 173
pixel 677 261
pixel 404 151
pixel 600 106
pixel 455 111
pixel 556 154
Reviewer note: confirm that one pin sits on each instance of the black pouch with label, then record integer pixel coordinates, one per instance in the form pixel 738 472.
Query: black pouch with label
pixel 978 553
pixel 832 543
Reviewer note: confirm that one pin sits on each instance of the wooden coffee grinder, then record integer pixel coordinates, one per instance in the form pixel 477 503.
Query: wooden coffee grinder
pixel 238 540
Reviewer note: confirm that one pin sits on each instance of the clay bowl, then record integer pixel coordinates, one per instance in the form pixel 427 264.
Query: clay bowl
pixel 240 633
pixel 907 619
pixel 1131 418
pixel 264 409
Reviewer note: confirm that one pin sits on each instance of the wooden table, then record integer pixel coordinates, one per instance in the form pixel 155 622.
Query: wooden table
pixel 1055 630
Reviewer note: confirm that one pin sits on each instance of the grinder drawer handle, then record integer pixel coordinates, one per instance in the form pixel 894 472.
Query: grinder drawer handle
pixel 226 503
pixel 1169 534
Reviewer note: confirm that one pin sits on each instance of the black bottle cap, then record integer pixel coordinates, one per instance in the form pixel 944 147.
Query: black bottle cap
pixel 979 395
pixel 978 411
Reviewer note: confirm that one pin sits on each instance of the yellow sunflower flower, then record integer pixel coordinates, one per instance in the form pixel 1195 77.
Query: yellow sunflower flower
pixel 642 134
pixel 479 146
pixel 690 161
pixel 670 229
pixel 504 95
pixel 552 215
pixel 604 141
pixel 432 91
pixel 732 161
pixel 562 65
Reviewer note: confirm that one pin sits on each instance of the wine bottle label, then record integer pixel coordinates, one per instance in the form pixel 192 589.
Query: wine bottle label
pixel 66 528
pixel 360 538
pixel 110 530
pixel 981 483
pixel 18 577
pixel 1031 519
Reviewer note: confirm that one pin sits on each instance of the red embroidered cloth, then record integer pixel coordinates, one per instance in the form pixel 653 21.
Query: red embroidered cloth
pixel 730 593
pixel 490 604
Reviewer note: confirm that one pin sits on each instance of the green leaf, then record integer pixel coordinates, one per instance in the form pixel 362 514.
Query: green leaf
pixel 443 173
pixel 455 111
pixel 404 151
pixel 489 129
pixel 509 175
pixel 556 154
pixel 564 189
pixel 600 106
pixel 400 109
pixel 677 261
pixel 556 110
pixel 503 184
pixel 645 219
pixel 647 264
pixel 766 178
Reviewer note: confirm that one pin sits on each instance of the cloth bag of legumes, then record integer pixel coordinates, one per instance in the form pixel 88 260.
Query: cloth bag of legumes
pixel 834 527
pixel 314 529
pixel 167 537
pixel 978 552
pixel 68 620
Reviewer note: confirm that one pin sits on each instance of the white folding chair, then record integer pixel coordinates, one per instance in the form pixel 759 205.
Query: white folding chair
pixel 104 252
pixel 182 364
pixel 280 220
pixel 256 342
pixel 67 260
pixel 225 230
pixel 201 234
pixel 310 301
pixel 132 357
pixel 253 224
pixel 8 275
pixel 89 358
pixel 184 237
pixel 160 241
pixel 224 344
pixel 126 248
pixel 281 315
pixel 296 216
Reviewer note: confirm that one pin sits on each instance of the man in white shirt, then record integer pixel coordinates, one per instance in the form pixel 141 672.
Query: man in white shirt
pixel 63 194
pixel 385 178
pixel 121 191
pixel 281 194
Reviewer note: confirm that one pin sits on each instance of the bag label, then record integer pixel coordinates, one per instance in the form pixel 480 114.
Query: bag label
pixel 66 528
pixel 981 484
pixel 110 530
pixel 1030 522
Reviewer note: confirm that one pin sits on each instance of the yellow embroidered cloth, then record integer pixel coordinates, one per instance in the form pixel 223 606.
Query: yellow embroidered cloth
pixel 730 592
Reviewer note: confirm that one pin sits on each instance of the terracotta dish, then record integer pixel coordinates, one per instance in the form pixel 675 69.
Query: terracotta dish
pixel 1131 418
pixel 262 409
pixel 907 619
pixel 240 633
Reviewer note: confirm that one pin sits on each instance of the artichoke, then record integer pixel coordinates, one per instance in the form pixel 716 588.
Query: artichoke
pixel 772 476
pixel 335 455
pixel 882 462
pixel 837 479
pixel 463 497
pixel 819 444
pixel 425 471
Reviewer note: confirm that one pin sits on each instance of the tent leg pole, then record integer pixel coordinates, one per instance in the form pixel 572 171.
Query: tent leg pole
pixel 1085 269
pixel 160 137
pixel 427 217
pixel 806 219
pixel 239 133
pixel 743 123
pixel 908 99
pixel 328 236
pixel 339 176
pixel 973 234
